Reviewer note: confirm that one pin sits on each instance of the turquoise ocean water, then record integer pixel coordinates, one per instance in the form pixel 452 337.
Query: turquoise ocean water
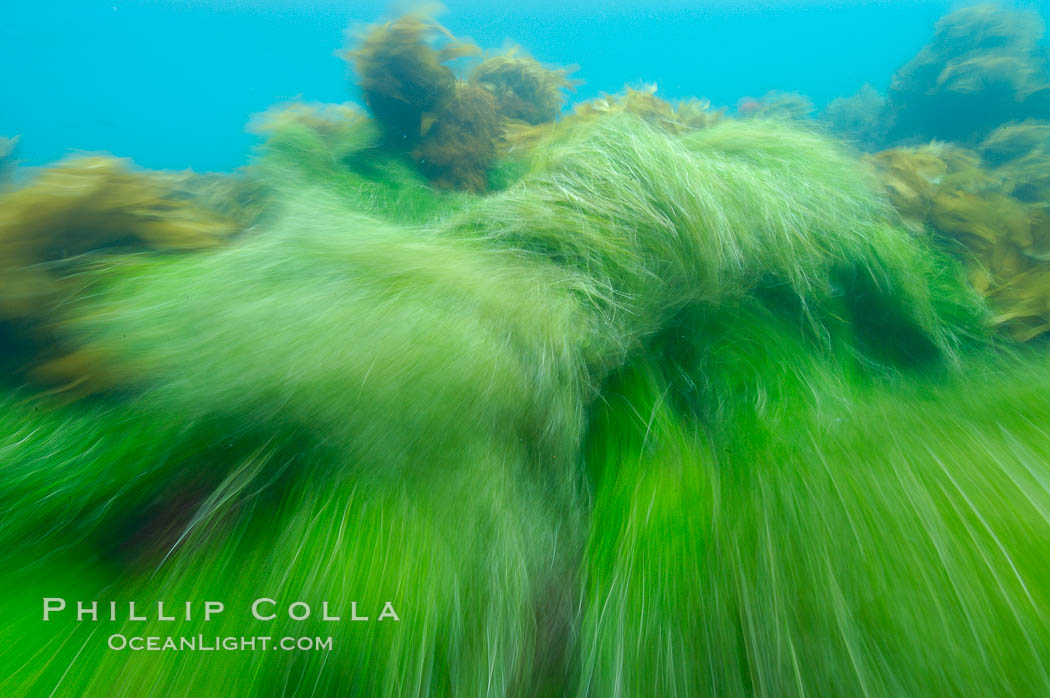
pixel 172 83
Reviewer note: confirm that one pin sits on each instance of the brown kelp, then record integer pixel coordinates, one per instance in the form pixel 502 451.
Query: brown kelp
pixel 989 214
pixel 524 89
pixel 460 145
pixel 1020 156
pixel 404 78
pixel 49 226
pixel 449 126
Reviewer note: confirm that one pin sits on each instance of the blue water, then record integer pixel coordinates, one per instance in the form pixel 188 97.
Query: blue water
pixel 172 83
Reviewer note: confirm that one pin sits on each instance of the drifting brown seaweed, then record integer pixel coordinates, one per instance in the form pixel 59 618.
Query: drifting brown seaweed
pixel 1020 152
pixel 450 127
pixel 404 78
pixel 524 89
pixel 1004 240
pixel 84 205
pixel 459 145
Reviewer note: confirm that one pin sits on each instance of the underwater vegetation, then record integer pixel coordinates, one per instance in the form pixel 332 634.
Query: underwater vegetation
pixel 337 147
pixel 963 141
pixel 48 228
pixel 524 89
pixel 405 79
pixel 638 399
pixel 859 118
pixel 8 146
pixel 982 68
pixel 499 368
pixel 449 126
pixel 238 199
pixel 776 105
pixel 677 117
pixel 460 144
pixel 997 215
pixel 1020 155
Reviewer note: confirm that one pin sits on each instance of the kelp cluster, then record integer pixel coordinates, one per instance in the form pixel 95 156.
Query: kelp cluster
pixel 50 227
pixel 449 126
pixel 682 408
pixel 524 90
pixel 980 89
pixel 456 131
pixel 995 210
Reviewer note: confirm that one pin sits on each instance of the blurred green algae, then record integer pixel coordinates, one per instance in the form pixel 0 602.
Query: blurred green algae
pixel 639 399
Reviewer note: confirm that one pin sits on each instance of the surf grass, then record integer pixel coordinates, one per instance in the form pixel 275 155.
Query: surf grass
pixel 398 370
pixel 651 421
pixel 832 532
